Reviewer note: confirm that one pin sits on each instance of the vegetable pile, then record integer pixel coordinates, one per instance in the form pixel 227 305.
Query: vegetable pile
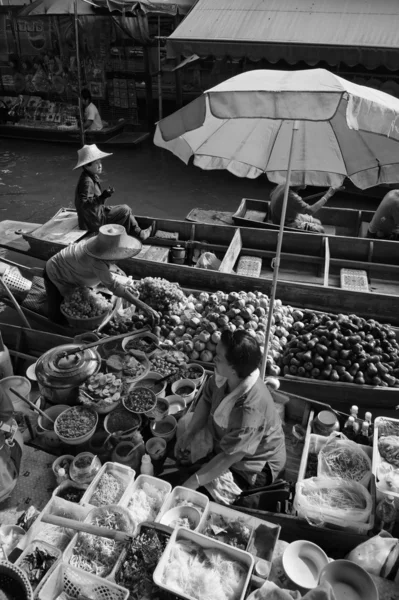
pixel 204 574
pixel 109 490
pixel 234 533
pixel 343 348
pixel 160 294
pixel 71 494
pixel 75 422
pixel 127 365
pixel 84 303
pixel 141 558
pixel 101 390
pixel 145 503
pixel 388 447
pixel 36 565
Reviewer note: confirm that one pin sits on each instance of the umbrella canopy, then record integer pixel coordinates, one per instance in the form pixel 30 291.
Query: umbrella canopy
pixel 169 7
pixel 57 7
pixel 244 125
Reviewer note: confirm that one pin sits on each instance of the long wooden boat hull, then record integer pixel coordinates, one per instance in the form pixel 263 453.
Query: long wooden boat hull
pixel 52 134
pixel 30 341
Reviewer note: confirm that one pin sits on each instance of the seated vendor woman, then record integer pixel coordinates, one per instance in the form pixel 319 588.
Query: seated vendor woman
pixel 87 264
pixel 238 410
pixel 90 199
pixel 299 214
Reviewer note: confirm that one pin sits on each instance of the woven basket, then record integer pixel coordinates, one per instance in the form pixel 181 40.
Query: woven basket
pixel 87 324
pixel 250 266
pixel 14 582
pixel 76 582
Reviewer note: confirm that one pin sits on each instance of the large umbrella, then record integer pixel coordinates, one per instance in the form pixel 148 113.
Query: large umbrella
pixel 300 127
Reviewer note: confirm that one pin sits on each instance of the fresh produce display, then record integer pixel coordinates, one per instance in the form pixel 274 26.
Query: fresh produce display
pixel 192 373
pixel 234 533
pixel 84 303
pixel 140 400
pixel 347 462
pixel 387 427
pixel 161 294
pixel 343 348
pixel 143 344
pixel 141 558
pixel 101 390
pixel 109 490
pixel 132 323
pixel 145 502
pixel 203 574
pixel 95 554
pixel 164 364
pixel 75 422
pixel 37 563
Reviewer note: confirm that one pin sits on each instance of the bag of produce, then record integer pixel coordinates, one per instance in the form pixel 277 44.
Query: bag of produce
pixel 388 447
pixel 327 500
pixel 387 478
pixel 343 458
pixel 208 260
pixel 378 556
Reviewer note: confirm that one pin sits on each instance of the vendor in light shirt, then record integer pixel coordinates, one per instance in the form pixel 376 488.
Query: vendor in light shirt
pixel 92 120
pixel 385 223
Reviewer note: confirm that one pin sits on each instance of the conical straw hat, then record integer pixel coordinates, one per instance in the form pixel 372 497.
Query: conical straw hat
pixel 113 243
pixel 89 153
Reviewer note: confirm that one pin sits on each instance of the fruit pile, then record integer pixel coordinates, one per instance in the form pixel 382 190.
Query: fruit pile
pixel 161 294
pixel 343 348
pixel 84 303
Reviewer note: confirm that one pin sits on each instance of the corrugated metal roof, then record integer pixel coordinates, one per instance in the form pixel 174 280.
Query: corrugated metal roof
pixel 367 23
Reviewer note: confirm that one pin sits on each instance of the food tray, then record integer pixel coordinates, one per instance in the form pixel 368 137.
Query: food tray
pixel 355 280
pixel 377 459
pixel 125 475
pixel 196 499
pixel 313 444
pixel 250 266
pixel 52 550
pixel 138 484
pixel 75 582
pixel 182 534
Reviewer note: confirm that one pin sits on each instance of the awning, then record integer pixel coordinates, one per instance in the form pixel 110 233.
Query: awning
pixel 168 7
pixel 335 31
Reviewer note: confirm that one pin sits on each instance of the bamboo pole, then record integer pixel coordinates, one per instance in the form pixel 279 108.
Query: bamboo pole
pixel 82 133
pixel 295 126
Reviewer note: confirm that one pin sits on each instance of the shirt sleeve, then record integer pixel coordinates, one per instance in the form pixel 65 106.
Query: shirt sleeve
pixel 86 190
pixel 207 391
pixel 104 274
pixel 90 113
pixel 246 438
pixel 297 204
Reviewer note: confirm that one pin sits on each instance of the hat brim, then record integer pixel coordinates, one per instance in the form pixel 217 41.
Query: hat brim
pixel 131 247
pixel 99 156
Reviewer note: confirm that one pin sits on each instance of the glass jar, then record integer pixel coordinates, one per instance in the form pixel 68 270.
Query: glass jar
pixel 84 467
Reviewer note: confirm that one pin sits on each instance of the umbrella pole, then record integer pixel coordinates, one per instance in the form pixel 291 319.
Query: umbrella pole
pixel 295 126
pixel 82 133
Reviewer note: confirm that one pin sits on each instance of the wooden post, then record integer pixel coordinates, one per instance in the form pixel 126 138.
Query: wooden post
pixel 82 133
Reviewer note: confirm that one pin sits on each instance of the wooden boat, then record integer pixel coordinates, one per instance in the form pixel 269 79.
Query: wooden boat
pixel 23 342
pixel 348 222
pixel 317 272
pixel 55 134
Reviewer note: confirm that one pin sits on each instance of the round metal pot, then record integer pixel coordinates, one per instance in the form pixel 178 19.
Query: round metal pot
pixel 59 377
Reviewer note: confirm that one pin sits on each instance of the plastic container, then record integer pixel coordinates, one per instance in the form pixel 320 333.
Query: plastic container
pixel 173 515
pixel 124 475
pixel 386 513
pixel 45 429
pixel 141 336
pixel 129 454
pixel 138 484
pixel 156 448
pixel 15 582
pixel 177 386
pixel 348 580
pixel 43 546
pixel 181 496
pixel 303 562
pixel 377 461
pixel 69 486
pixel 82 439
pixel 6 369
pixel 150 379
pixel 182 534
pixel 166 428
pixel 21 385
pixel 84 468
pixel 147 467
pixel 229 515
pixel 177 406
pixel 75 582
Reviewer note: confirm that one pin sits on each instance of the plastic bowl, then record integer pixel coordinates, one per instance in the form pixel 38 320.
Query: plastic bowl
pixel 177 404
pixel 127 423
pixel 75 441
pixel 140 336
pixel 182 383
pixel 349 581
pixel 197 380
pixel 150 379
pixel 166 428
pixel 171 517
pixel 160 411
pixel 156 448
pixel 303 562
pixel 139 389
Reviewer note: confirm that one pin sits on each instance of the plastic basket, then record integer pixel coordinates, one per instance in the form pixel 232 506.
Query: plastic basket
pixel 377 460
pixel 354 279
pixel 52 550
pixel 125 476
pixel 14 580
pixel 75 583
pixel 250 266
pixel 15 282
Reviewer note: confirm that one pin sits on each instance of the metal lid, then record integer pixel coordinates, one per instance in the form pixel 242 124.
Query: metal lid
pixel 56 370
pixel 327 418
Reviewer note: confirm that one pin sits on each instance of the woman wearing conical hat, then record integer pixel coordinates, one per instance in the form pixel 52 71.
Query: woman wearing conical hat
pixel 90 199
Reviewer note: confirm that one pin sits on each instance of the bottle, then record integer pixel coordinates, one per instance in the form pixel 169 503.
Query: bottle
pixel 349 429
pixel 6 369
pixel 386 513
pixel 363 435
pixel 354 411
pixel 368 418
pixel 146 465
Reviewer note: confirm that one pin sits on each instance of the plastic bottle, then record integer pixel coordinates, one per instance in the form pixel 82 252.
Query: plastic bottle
pixel 349 429
pixel 354 411
pixel 386 513
pixel 368 418
pixel 6 369
pixel 146 465
pixel 363 436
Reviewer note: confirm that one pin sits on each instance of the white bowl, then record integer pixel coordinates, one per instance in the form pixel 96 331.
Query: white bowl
pixel 181 383
pixel 176 405
pixel 181 512
pixel 348 580
pixel 303 562
pixel 200 368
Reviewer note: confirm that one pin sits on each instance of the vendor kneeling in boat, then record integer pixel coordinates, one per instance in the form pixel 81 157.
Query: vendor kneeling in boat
pixel 385 223
pixel 299 214
pixel 237 414
pixel 90 199
pixel 87 264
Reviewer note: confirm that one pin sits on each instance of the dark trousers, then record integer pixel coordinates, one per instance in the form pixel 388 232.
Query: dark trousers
pixel 121 214
pixel 54 299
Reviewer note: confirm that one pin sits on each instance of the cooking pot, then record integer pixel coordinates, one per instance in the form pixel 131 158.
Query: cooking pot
pixel 59 377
